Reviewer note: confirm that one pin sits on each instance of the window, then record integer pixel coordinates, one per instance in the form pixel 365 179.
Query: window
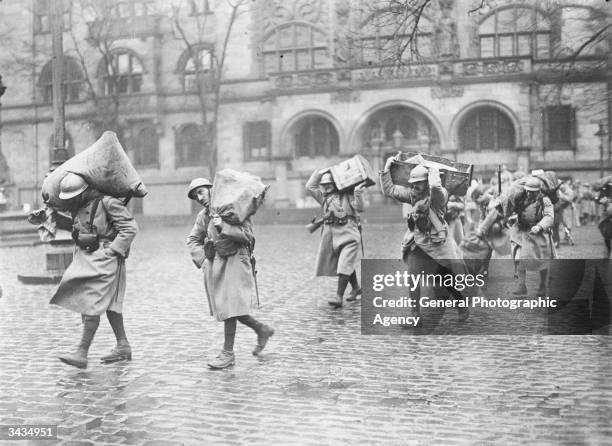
pixel 190 66
pixel 145 145
pixel 559 128
pixel 42 16
pixel 125 9
pixel 190 146
pixel 486 128
pixel 515 31
pixel 72 84
pixel 385 38
pixel 316 136
pixel 199 7
pixel 122 75
pixel 295 47
pixel 257 140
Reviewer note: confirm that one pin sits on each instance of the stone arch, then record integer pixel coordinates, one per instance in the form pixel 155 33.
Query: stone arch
pixel 465 111
pixel 286 142
pixel 358 138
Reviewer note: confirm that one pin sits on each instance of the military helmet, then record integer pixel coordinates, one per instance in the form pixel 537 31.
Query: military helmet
pixel 195 183
pixel 71 186
pixel 327 178
pixel 418 174
pixel 532 184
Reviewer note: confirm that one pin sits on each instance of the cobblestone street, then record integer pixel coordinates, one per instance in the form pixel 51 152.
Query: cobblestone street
pixel 319 381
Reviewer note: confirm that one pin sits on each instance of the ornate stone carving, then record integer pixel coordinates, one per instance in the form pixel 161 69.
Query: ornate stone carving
pixel 277 12
pixel 447 44
pixel 447 91
pixel 345 95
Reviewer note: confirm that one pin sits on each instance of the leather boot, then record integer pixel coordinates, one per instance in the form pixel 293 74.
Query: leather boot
pixel 521 290
pixel 337 303
pixel 79 357
pixel 463 313
pixel 76 359
pixel 223 360
pixel 121 352
pixel 352 297
pixel 264 333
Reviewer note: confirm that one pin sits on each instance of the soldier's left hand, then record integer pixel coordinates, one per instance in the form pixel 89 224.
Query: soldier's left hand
pixel 109 252
pixel 535 230
pixel 360 187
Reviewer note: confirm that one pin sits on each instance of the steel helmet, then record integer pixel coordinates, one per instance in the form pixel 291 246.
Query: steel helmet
pixel 195 183
pixel 327 178
pixel 532 184
pixel 71 186
pixel 418 174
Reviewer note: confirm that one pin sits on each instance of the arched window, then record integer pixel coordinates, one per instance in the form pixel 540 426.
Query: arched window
pixel 145 146
pixel 189 66
pixel 316 136
pixel 387 37
pixel 294 47
pixel 122 74
pixel 486 128
pixel 515 31
pixel 72 85
pixel 190 146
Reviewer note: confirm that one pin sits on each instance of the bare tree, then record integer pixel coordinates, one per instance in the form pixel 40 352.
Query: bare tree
pixel 208 58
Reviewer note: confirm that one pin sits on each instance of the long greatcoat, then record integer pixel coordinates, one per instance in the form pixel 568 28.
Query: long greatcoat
pixel 339 246
pixel 95 282
pixel 437 244
pixel 228 281
pixel 533 251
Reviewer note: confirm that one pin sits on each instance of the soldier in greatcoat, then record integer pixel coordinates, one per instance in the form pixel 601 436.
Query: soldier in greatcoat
pixel 94 283
pixel 224 252
pixel 530 214
pixel 427 244
pixel 340 238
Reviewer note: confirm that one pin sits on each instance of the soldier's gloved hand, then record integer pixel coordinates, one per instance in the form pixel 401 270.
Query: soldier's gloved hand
pixel 536 230
pixel 360 187
pixel 388 163
pixel 479 233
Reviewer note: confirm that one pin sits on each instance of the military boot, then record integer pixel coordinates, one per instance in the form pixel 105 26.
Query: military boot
pixel 352 297
pixel 223 360
pixel 337 303
pixel 463 313
pixel 521 290
pixel 76 359
pixel 122 351
pixel 264 333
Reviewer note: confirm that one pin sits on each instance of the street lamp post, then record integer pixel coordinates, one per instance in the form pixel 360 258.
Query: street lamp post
pixel 601 133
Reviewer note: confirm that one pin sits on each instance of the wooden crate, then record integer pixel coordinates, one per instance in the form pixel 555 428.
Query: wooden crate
pixel 456 178
pixel 353 171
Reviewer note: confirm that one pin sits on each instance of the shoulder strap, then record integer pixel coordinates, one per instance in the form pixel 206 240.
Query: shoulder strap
pixel 94 209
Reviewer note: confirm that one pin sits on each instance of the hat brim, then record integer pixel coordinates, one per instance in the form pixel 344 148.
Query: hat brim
pixel 417 181
pixel 69 195
pixel 191 195
pixel 531 189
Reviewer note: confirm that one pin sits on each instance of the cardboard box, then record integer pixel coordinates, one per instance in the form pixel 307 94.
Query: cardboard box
pixel 353 171
pixel 456 177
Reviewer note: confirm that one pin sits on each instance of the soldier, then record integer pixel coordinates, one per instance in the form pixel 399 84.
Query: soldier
pixel 339 247
pixel 103 230
pixel 427 244
pixel 223 252
pixel 530 214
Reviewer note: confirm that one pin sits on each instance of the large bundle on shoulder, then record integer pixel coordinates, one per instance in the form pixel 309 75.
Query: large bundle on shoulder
pixel 236 195
pixel 104 165
pixel 549 184
pixel 456 177
pixel 351 172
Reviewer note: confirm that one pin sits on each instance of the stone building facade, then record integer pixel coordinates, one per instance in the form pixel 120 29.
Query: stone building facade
pixel 307 83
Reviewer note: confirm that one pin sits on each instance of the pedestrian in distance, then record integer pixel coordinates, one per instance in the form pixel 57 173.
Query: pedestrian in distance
pixel 103 230
pixel 427 245
pixel 224 253
pixel 341 235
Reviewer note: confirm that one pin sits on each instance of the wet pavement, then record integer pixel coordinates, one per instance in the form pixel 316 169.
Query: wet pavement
pixel 319 382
